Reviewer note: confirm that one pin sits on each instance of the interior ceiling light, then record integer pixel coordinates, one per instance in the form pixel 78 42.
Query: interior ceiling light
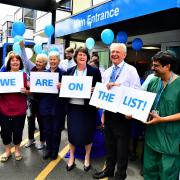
pixel 150 47
pixel 58 1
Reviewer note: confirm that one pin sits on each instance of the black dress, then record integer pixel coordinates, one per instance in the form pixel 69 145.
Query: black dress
pixel 81 119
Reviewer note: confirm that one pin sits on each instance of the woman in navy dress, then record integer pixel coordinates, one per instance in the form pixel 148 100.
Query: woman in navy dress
pixel 81 117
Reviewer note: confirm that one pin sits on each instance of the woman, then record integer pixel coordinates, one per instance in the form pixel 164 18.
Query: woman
pixel 33 101
pixel 13 112
pixel 81 117
pixel 52 111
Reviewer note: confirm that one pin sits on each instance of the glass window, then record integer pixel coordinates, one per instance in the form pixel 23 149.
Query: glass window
pixel 95 2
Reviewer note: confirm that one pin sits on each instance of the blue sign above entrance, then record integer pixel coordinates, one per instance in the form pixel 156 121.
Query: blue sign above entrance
pixel 111 12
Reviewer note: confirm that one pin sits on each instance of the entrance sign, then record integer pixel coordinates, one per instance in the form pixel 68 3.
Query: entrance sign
pixel 125 100
pixel 11 82
pixel 44 82
pixel 76 87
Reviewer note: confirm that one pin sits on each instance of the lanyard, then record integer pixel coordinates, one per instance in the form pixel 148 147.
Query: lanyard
pixel 121 68
pixel 160 91
pixel 83 73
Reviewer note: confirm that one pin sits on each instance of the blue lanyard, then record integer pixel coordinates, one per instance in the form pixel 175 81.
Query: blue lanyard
pixel 160 91
pixel 84 72
pixel 121 68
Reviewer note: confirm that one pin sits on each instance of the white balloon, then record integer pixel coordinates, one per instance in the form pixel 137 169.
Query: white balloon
pixel 38 40
pixel 29 52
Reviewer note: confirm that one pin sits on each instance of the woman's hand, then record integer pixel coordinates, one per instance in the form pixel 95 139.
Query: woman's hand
pixel 58 85
pixel 24 91
pixel 21 43
pixel 92 89
pixel 111 84
pixel 128 116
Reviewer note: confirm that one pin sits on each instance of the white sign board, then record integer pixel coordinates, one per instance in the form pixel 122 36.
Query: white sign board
pixel 106 99
pixel 11 82
pixel 76 87
pixel 44 82
pixel 137 103
pixel 124 100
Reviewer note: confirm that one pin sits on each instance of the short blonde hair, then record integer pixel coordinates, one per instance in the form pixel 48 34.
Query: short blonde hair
pixel 54 53
pixel 43 57
pixel 120 45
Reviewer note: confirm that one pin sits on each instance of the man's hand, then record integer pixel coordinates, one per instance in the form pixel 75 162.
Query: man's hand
pixel 111 84
pixel 155 118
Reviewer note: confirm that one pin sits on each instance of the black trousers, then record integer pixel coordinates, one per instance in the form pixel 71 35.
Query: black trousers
pixel 12 129
pixel 52 132
pixel 32 119
pixel 117 136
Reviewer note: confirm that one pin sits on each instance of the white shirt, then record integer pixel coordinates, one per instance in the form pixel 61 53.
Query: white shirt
pixel 65 64
pixel 78 101
pixel 127 77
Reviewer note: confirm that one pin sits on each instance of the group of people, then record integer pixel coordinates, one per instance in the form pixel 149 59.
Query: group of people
pixel 162 136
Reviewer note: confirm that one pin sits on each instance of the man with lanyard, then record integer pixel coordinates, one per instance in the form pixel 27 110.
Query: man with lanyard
pixel 162 138
pixel 116 126
pixel 69 61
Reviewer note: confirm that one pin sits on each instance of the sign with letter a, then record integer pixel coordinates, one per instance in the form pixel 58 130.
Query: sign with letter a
pixel 44 82
pixel 11 82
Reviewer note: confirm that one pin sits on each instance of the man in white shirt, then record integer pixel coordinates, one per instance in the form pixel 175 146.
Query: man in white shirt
pixel 69 61
pixel 116 125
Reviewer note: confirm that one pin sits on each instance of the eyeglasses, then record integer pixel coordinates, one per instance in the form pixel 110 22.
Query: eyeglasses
pixel 156 65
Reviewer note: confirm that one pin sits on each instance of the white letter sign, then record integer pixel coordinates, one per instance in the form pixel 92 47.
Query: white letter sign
pixel 11 82
pixel 44 82
pixel 76 86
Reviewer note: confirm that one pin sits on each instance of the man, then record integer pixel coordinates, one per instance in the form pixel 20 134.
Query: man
pixel 69 61
pixel 116 126
pixel 162 138
pixel 94 61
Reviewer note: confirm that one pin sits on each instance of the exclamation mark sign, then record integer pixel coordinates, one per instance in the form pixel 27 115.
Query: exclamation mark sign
pixel 144 105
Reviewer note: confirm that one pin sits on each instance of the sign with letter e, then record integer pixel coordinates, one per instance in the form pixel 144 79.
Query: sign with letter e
pixel 44 82
pixel 11 82
pixel 76 87
pixel 106 99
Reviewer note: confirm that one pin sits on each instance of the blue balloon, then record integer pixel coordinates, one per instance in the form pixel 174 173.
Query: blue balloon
pixel 18 38
pixel 13 34
pixel 49 30
pixel 16 48
pixel 44 52
pixel 53 48
pixel 19 28
pixel 90 43
pixel 107 36
pixel 121 37
pixel 38 48
pixel 137 44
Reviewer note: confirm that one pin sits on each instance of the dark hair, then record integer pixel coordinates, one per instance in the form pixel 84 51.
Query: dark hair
pixel 165 58
pixel 8 67
pixel 83 50
pixel 69 49
pixel 96 55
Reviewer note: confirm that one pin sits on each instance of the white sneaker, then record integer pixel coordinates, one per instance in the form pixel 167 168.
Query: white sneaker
pixel 40 146
pixel 30 143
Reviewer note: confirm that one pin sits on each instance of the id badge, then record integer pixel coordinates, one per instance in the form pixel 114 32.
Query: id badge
pixel 155 112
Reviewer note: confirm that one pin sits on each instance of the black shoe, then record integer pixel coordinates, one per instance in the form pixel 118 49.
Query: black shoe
pixel 69 168
pixel 87 168
pixel 103 174
pixel 54 156
pixel 47 154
